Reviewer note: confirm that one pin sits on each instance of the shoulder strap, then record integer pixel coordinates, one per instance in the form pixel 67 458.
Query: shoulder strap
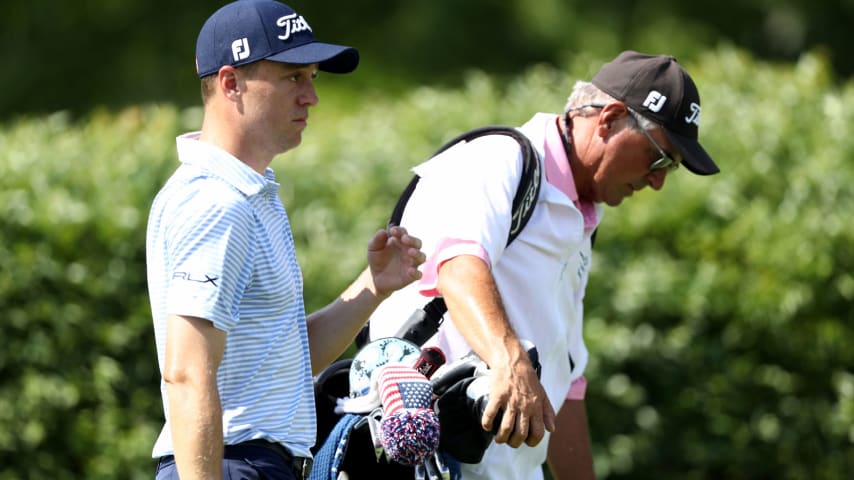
pixel 526 192
pixel 425 322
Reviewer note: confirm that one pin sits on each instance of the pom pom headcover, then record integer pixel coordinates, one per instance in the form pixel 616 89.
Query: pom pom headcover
pixel 410 429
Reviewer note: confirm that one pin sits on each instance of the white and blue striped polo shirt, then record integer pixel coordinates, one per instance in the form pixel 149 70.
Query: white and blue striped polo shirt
pixel 219 247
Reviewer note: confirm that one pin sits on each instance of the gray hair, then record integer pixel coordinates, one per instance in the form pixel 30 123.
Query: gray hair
pixel 585 93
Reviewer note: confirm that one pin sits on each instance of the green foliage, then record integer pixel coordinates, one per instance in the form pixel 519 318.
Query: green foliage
pixel 78 397
pixel 120 52
pixel 718 313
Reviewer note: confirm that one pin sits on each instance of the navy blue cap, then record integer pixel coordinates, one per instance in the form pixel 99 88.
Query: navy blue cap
pixel 247 31
pixel 658 88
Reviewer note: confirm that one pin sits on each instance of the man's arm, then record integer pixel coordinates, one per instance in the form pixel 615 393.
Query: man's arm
pixel 194 349
pixel 393 260
pixel 469 290
pixel 569 454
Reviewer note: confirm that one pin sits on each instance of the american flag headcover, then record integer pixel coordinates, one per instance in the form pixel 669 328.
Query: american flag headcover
pixel 410 428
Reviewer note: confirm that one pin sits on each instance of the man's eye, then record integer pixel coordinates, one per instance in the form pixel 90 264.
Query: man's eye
pixel 299 76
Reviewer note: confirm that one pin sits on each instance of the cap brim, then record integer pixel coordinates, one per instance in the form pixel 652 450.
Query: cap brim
pixel 330 58
pixel 694 157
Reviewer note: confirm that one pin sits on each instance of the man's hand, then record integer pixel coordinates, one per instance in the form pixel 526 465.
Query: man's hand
pixel 527 413
pixel 476 308
pixel 393 260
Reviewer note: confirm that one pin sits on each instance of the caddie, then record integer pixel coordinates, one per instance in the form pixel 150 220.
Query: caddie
pixel 631 127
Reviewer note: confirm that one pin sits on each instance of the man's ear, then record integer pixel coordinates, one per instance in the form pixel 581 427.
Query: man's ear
pixel 611 116
pixel 227 82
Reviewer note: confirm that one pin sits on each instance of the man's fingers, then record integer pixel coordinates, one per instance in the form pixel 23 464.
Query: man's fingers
pixel 518 427
pixel 378 241
pixel 519 432
pixel 543 420
pixel 549 416
pixel 419 256
pixel 404 236
pixel 536 431
pixel 510 427
pixel 489 413
pixel 408 239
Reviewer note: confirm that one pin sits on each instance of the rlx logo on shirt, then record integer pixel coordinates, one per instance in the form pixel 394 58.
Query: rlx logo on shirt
pixel 190 278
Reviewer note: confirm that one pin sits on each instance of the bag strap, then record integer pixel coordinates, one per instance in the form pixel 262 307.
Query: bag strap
pixel 424 323
pixel 526 192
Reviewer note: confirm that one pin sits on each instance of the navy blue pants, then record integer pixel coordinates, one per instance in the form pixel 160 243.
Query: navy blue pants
pixel 239 462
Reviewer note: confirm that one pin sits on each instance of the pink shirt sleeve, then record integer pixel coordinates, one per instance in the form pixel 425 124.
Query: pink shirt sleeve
pixel 447 249
pixel 578 389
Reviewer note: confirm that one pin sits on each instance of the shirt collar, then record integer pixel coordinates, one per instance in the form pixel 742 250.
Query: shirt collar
pixel 558 171
pixel 218 163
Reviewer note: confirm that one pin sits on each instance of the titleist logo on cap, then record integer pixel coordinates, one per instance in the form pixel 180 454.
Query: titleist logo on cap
pixel 292 23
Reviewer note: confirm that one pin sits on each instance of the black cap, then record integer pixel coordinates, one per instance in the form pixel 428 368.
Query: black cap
pixel 658 88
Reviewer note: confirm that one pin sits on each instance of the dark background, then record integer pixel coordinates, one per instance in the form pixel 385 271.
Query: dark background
pixel 79 55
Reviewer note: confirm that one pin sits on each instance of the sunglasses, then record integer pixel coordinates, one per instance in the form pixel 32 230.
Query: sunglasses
pixel 664 159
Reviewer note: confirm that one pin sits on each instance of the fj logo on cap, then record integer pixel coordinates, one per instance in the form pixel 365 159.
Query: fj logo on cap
pixel 695 115
pixel 654 101
pixel 292 23
pixel 240 49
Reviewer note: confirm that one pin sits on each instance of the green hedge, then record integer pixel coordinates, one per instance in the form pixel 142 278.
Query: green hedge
pixel 720 315
pixel 719 310
pixel 79 379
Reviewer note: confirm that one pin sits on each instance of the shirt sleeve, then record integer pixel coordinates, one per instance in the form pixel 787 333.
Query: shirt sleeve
pixel 448 248
pixel 463 203
pixel 210 246
pixel 578 389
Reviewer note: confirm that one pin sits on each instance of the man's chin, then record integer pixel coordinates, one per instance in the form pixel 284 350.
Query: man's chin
pixel 618 197
pixel 291 143
pixel 613 202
